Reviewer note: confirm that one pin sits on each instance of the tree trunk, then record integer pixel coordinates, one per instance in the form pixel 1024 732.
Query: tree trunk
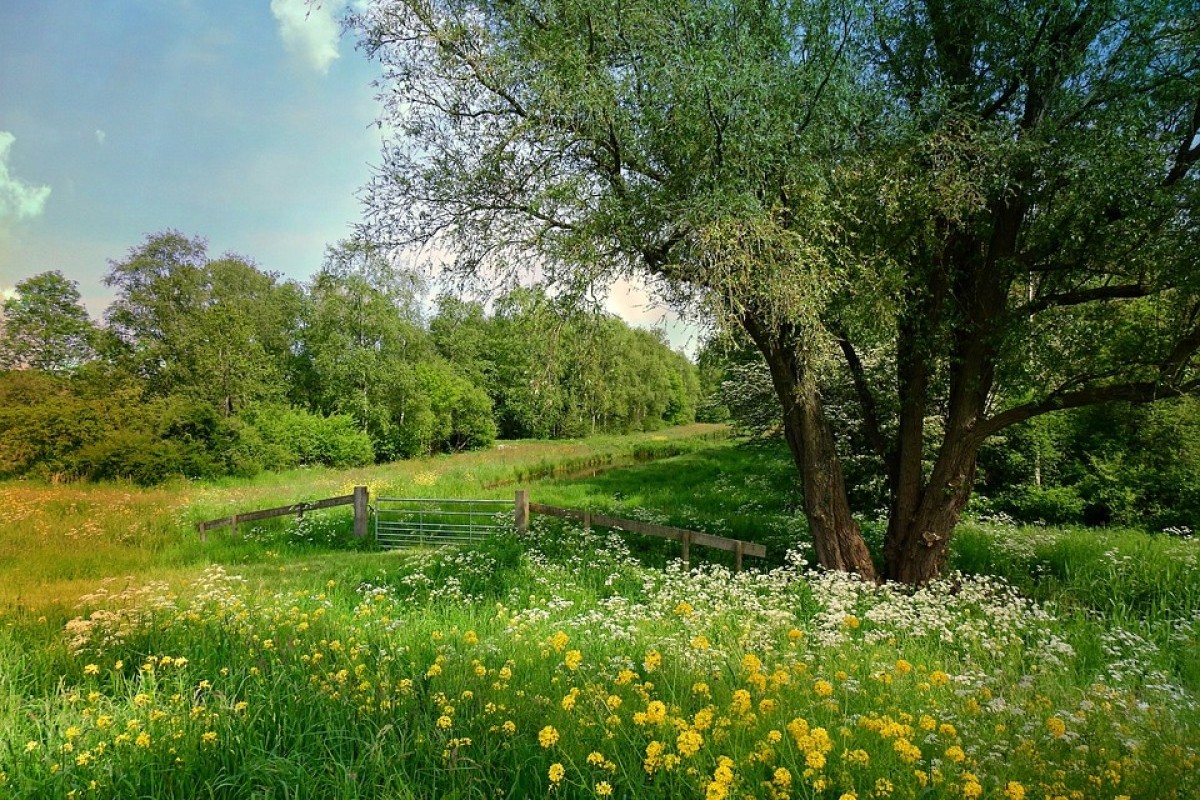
pixel 836 535
pixel 917 547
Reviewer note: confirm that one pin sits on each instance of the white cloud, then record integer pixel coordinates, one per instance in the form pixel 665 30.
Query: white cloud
pixel 18 199
pixel 633 301
pixel 100 136
pixel 309 31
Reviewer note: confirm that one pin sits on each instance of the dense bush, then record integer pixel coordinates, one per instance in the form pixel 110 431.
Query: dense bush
pixel 54 427
pixel 1116 464
pixel 294 437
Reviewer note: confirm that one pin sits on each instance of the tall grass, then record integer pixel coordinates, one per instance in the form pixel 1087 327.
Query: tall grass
pixel 556 664
pixel 57 541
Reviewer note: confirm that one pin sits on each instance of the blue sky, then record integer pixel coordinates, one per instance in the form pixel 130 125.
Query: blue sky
pixel 248 122
pixel 243 122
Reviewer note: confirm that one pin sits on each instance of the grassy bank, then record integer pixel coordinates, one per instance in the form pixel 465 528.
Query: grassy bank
pixel 58 541
pixel 557 665
pixel 568 663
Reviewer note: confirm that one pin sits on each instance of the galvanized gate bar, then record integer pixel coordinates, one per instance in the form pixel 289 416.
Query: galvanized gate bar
pixel 433 521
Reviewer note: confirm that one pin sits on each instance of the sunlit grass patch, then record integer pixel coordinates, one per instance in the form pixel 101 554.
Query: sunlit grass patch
pixel 556 664
pixel 57 541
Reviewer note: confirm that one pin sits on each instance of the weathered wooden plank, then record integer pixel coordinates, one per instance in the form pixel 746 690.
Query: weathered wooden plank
pixel 521 506
pixel 361 503
pixel 281 511
pixel 652 529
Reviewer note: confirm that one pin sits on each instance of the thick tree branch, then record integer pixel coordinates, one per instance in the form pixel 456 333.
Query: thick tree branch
pixel 1082 296
pixel 866 398
pixel 1135 392
pixel 1189 149
pixel 993 107
pixel 1177 360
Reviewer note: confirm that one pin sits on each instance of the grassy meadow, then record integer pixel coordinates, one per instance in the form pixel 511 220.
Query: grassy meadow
pixel 136 663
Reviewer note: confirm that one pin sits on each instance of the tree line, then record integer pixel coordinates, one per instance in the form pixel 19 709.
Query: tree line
pixel 211 366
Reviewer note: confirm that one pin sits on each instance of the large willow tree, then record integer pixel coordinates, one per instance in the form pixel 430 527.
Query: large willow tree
pixel 982 211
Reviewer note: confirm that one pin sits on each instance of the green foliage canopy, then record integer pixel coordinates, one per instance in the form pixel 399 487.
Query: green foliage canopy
pixel 44 326
pixel 985 210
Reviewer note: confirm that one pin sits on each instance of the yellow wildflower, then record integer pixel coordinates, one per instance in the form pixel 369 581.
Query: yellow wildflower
pixel 689 743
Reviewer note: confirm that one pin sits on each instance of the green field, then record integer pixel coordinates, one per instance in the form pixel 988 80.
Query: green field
pixel 281 663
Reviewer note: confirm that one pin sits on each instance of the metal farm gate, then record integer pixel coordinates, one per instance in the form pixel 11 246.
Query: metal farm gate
pixel 431 522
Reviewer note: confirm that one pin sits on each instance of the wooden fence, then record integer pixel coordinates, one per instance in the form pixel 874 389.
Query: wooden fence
pixel 521 511
pixel 359 499
pixel 686 538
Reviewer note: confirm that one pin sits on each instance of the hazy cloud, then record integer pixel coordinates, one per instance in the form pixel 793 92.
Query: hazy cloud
pixel 18 199
pixel 631 300
pixel 310 32
pixel 100 136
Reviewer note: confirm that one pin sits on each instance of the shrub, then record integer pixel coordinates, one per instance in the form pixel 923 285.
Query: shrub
pixel 292 437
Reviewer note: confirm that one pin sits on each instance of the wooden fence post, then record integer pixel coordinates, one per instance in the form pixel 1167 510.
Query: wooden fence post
pixel 361 511
pixel 737 556
pixel 203 532
pixel 685 542
pixel 233 524
pixel 521 510
pixel 587 520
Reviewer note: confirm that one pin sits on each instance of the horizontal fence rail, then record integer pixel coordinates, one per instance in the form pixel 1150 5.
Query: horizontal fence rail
pixel 685 537
pixel 428 521
pixel 358 499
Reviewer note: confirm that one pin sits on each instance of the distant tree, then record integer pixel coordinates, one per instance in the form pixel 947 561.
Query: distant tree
pixel 218 331
pixel 1125 464
pixel 555 369
pixel 45 327
pixel 358 346
pixel 526 348
pixel 985 210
